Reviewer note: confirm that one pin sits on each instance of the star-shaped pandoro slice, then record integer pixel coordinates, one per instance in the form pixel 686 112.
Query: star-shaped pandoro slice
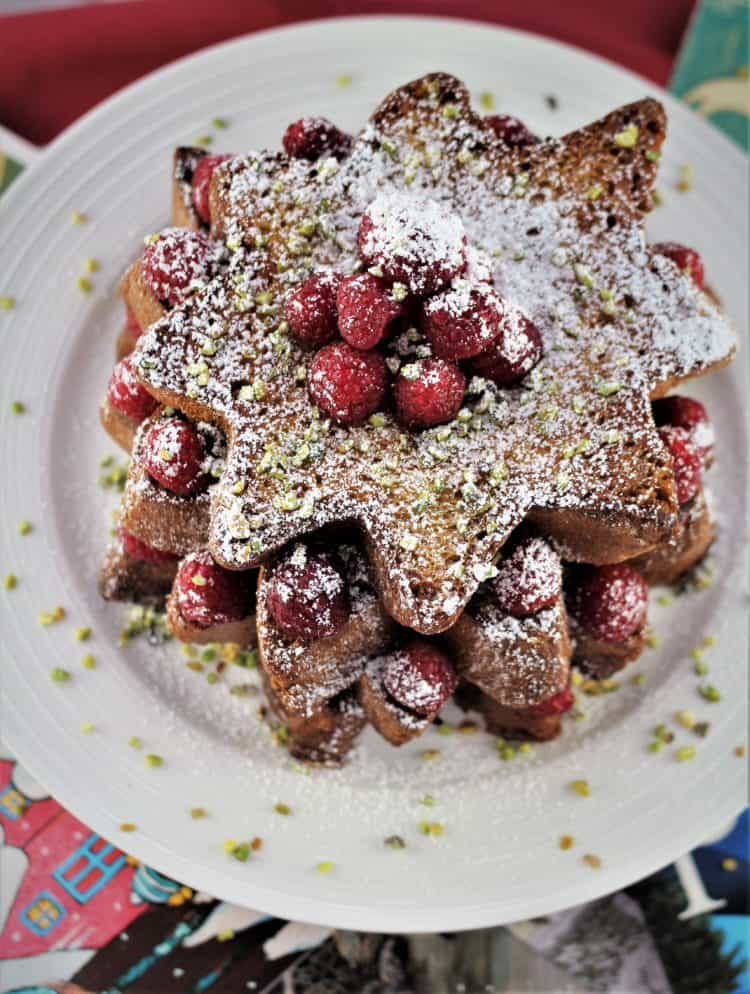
pixel 573 447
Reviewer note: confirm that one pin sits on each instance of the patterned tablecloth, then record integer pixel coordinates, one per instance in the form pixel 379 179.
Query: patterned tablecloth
pixel 80 914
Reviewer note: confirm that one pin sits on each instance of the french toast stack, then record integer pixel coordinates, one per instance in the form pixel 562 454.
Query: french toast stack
pixel 397 414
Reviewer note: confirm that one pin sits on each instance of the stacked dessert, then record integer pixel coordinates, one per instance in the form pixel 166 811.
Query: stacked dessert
pixel 397 413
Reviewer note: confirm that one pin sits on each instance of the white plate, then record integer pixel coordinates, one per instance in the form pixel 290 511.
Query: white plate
pixel 498 859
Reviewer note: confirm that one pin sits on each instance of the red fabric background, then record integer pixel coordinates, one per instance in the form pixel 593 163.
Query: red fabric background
pixel 57 64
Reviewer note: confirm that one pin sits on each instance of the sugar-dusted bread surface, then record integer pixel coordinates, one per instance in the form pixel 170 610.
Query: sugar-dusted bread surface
pixel 574 446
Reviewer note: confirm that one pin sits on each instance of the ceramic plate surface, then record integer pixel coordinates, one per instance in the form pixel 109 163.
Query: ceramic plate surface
pixel 498 859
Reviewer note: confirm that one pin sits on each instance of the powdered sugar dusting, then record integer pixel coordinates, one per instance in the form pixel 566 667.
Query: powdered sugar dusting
pixel 577 433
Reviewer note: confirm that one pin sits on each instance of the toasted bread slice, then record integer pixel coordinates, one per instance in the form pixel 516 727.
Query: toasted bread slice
pixel 306 674
pixel 522 724
pixel 518 662
pixel 684 549
pixel 574 446
pixel 154 515
pixel 123 578
pixel 326 737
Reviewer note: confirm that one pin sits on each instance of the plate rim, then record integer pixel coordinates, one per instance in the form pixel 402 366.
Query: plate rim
pixel 334 913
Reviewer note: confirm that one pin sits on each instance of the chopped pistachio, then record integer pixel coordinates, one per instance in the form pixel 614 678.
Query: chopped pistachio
pixel 86 727
pixel 427 800
pixel 153 760
pixel 655 746
pixel 580 787
pixel 18 407
pixel 326 866
pixel 84 285
pixel 282 809
pixel 664 600
pixel 657 198
pixel 240 851
pixel 344 80
pixel 7 303
pixel 729 864
pixel 134 742
pixel 653 156
pixel 77 217
pixel 638 679
pixel 430 754
pixel 594 192
pixel 685 718
pixel 59 675
pixel 685 753
pixel 627 137
pixel 47 618
pixel 592 860
pixel 739 751
pixel 685 181
pixel 197 813
pixel 433 828
pixel 608 388
pixel 127 826
pixel 91 265
pixel 11 581
pixel 395 842
pixel 566 842
pixel 83 633
pixel 203 140
pixel 709 693
pixel 220 123
pixel 88 662
pixel 450 110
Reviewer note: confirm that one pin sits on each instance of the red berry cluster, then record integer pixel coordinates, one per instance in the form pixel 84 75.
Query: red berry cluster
pixel 174 261
pixel 201 183
pixel 307 595
pixel 419 677
pixel 688 434
pixel 610 602
pixel 686 259
pixel 418 266
pixel 208 595
pixel 174 455
pixel 510 130
pixel 126 393
pixel 529 578
pixel 137 549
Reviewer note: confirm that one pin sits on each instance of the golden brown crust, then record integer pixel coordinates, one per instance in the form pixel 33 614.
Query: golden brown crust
pixel 509 723
pixel 325 738
pixel 601 659
pixel 304 675
pixel 184 214
pixel 242 632
pixel 138 297
pixel 123 578
pixel 396 724
pixel 155 516
pixel 686 547
pixel 120 428
pixel 125 342
pixel 516 661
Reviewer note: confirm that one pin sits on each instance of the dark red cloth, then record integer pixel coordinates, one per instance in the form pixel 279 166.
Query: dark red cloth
pixel 59 63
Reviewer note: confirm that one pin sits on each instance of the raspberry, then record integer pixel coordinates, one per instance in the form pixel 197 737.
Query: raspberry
pixel 209 595
pixel 428 392
pixel 307 595
pixel 365 310
pixel 415 242
pixel 132 322
pixel 313 138
pixel 201 182
pixel 137 549
pixel 126 393
pixel 173 456
pixel 686 462
pixel 462 321
pixel 561 702
pixel 684 412
pixel 419 677
pixel 686 259
pixel 611 602
pixel 510 130
pixel 173 261
pixel 310 309
pixel 347 384
pixel 513 354
pixel 529 579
